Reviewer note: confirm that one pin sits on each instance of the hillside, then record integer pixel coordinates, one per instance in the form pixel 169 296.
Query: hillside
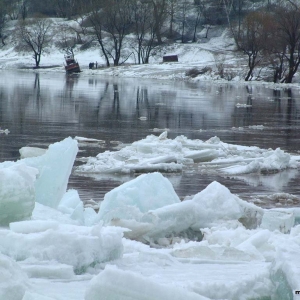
pixel 211 58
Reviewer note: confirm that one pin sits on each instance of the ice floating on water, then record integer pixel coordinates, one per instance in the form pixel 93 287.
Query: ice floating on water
pixel 153 215
pixel 260 127
pixel 160 130
pixel 243 105
pixel 143 118
pixel 31 152
pixel 213 245
pixel 87 140
pixel 6 131
pixel 269 162
pixel 158 153
pixel 151 154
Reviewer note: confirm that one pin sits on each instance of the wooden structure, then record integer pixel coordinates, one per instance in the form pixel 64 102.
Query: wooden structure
pixel 71 65
pixel 170 58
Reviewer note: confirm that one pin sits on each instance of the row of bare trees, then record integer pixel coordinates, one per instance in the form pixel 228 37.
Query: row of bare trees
pixel 142 23
pixel 271 39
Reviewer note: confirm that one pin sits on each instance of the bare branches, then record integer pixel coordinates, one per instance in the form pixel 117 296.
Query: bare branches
pixel 34 36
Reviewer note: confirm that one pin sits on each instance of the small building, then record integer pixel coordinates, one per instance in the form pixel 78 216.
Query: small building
pixel 170 58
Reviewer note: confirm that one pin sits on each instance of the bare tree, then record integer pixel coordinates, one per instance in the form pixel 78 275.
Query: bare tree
pixel 275 50
pixel 112 19
pixel 12 9
pixel 117 22
pixel 66 8
pixel 66 42
pixel 252 39
pixel 172 8
pixel 97 22
pixel 16 8
pixel 23 8
pixel 288 20
pixel 3 21
pixel 143 21
pixel 34 36
pixel 160 12
pixel 184 8
pixel 237 9
pixel 199 9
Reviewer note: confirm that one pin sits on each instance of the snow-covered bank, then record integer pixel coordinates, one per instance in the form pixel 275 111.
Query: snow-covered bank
pixel 213 245
pixel 204 58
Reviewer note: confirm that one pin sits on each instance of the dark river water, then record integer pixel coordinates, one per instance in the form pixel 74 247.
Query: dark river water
pixel 39 109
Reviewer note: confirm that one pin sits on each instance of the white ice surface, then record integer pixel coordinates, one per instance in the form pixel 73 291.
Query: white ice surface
pixel 17 192
pixel 31 152
pixel 77 246
pixel 114 284
pixel 13 281
pixel 212 245
pixel 158 153
pixel 134 198
pixel 130 207
pixel 54 167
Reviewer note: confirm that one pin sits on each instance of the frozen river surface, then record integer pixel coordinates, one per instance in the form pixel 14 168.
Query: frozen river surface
pixel 39 109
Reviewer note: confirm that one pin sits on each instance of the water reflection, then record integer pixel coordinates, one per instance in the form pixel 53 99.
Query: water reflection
pixel 40 109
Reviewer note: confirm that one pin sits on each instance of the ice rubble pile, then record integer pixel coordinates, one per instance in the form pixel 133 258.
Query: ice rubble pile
pixel 155 214
pixel 158 153
pixel 44 179
pixel 51 247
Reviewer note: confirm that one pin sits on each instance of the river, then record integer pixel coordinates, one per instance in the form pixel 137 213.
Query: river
pixel 42 108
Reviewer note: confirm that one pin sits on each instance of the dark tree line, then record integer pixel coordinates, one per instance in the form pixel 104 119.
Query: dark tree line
pixel 271 38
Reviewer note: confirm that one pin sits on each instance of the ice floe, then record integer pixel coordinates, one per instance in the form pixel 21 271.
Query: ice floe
pixel 159 153
pixel 144 243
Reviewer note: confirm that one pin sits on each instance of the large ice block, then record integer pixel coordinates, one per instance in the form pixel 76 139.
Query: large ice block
pixel 125 207
pixel 278 220
pixel 113 283
pixel 54 167
pixel 77 246
pixel 17 193
pixel 31 152
pixel 13 281
pixel 133 198
pixel 216 202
